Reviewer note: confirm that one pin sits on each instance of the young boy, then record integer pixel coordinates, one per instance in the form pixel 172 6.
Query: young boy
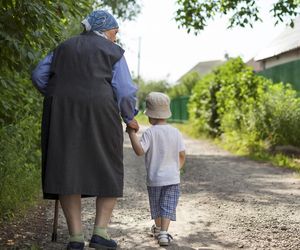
pixel 164 152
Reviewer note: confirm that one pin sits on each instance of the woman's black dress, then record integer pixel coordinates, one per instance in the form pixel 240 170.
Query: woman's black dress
pixel 82 136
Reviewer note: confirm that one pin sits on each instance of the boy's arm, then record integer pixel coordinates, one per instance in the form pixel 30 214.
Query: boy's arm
pixel 136 145
pixel 181 159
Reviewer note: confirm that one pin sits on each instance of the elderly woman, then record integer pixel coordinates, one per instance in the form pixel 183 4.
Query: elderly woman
pixel 87 85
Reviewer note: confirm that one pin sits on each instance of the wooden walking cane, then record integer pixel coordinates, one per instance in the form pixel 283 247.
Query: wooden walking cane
pixel 55 222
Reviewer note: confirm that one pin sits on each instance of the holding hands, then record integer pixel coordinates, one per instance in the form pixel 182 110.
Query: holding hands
pixel 132 126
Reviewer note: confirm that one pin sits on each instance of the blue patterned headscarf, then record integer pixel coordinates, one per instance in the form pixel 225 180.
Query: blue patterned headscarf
pixel 100 20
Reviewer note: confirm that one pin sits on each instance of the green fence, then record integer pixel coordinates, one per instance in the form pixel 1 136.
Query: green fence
pixel 287 73
pixel 179 109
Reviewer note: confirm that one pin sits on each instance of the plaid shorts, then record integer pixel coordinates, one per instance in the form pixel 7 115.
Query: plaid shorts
pixel 163 201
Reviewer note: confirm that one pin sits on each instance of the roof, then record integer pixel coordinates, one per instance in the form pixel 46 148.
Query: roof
pixel 288 40
pixel 255 65
pixel 204 68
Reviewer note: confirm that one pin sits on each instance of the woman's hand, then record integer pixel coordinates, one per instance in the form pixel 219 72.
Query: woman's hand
pixel 133 125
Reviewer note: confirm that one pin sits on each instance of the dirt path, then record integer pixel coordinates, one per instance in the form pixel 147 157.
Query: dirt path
pixel 227 202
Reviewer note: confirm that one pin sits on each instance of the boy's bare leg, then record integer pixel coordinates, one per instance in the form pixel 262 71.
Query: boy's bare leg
pixel 158 222
pixel 165 222
pixel 71 206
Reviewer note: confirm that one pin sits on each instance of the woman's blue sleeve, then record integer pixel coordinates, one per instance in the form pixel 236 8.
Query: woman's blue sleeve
pixel 124 90
pixel 40 75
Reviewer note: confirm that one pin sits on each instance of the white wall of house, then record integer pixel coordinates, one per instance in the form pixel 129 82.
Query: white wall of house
pixel 280 59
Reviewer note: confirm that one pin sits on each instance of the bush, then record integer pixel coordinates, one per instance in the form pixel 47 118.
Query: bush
pixel 277 115
pixel 19 145
pixel 202 107
pixel 19 168
pixel 237 93
pixel 247 110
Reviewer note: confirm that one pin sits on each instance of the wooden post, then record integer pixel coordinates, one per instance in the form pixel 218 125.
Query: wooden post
pixel 55 221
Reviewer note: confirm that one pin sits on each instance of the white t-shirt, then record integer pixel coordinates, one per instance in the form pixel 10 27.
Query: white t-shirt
pixel 162 144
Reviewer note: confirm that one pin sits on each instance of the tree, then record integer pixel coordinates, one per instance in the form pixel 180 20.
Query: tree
pixel 185 86
pixel 194 14
pixel 146 87
pixel 30 28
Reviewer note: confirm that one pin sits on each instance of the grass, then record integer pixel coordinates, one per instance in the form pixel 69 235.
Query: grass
pixel 257 151
pixel 279 160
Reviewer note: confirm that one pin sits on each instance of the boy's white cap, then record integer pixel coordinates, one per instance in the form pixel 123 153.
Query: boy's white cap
pixel 158 106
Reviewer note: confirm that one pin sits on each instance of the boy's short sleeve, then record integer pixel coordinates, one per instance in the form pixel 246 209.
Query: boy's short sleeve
pixel 146 140
pixel 181 146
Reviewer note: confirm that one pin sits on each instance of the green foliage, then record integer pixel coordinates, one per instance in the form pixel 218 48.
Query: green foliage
pixel 18 98
pixel 146 87
pixel 19 169
pixel 193 15
pixel 142 119
pixel 19 144
pixel 124 9
pixel 29 29
pixel 277 115
pixel 185 86
pixel 238 89
pixel 202 106
pixel 246 110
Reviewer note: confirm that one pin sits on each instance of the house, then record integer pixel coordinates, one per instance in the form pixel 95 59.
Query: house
pixel 257 66
pixel 280 60
pixel 204 68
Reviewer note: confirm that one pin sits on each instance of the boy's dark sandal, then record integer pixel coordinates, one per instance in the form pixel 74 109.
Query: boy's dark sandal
pixel 75 246
pixel 99 242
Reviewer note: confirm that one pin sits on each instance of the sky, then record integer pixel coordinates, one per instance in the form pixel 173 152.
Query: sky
pixel 167 52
